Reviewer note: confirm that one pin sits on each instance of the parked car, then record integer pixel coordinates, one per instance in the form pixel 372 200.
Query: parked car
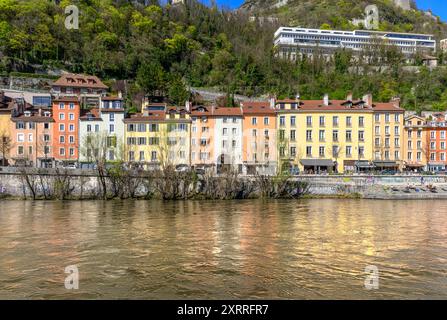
pixel 70 166
pixel 182 168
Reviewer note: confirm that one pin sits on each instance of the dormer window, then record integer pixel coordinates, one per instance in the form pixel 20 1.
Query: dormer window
pixel 27 114
pixel 47 114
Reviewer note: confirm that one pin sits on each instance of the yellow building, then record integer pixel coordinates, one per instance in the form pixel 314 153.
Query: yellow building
pixel 388 135
pixel 158 137
pixel 416 146
pixel 5 126
pixel 323 135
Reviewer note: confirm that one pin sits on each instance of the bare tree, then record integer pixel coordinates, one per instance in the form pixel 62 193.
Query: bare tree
pixel 6 144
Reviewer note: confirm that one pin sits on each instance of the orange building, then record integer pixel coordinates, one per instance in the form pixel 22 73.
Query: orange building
pixel 202 132
pixel 31 133
pixel 259 138
pixel 66 113
pixel 437 139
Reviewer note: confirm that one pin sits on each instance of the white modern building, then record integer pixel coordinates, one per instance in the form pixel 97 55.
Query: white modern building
pixel 102 130
pixel 228 138
pixel 292 42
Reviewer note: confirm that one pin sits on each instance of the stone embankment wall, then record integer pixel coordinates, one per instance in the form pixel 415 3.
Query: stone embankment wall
pixel 85 184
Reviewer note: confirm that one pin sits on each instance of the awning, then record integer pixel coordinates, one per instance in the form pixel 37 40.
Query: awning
pixel 414 165
pixel 364 164
pixel 386 164
pixel 317 163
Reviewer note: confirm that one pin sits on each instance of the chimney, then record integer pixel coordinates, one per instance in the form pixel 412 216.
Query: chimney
pixel 326 99
pixel 120 94
pixel 349 97
pixel 40 112
pixel 272 102
pixel 367 98
pixel 188 105
pixel 396 102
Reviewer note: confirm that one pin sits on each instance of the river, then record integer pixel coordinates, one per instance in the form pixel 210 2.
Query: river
pixel 300 249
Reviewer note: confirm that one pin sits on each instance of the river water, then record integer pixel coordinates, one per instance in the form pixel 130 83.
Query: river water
pixel 305 249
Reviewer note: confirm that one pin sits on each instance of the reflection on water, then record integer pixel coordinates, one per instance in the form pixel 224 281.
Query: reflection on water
pixel 308 249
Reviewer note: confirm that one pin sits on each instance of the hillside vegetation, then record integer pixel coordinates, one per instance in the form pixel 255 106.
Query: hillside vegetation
pixel 168 48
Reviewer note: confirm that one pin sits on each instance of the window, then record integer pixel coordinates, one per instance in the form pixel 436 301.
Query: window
pixel 282 135
pixel 377 117
pixel 46 126
pixel 72 128
pixel 309 135
pixel 321 136
pixel 61 106
pixel 361 122
pixel 387 117
pixel 89 128
pixel 71 116
pixel 20 137
pixel 142 141
pixel 292 135
pixel 292 151
pixel 442 156
pixel 141 155
pixel 377 130
pixel 234 131
pixel 418 156
pixel 322 121
pixel 96 127
pixel 349 121
pixel 111 117
pixel 335 151
pixel 335 136
pixel 72 106
pixel 396 155
pixel 321 152
pixel 153 127
pixel 131 156
pixel 309 121
pixel 72 152
pixel 46 138
pixel 361 136
pixel 292 121
pixel 361 152
pixel 183 127
pixel 61 116
pixel 282 121
pixel 348 151
pixel 396 118
pixel 30 137
pixel 433 156
pixel 266 133
pixel 266 121
pixel 309 151
pixel 442 134
pixel 111 128
pixel 419 134
pixel 234 143
pixel 442 145
pixel 410 155
pixel 348 135
pixel 387 142
pixel 131 127
pixel 62 151
pixel 432 135
pixel 387 130
pixel 254 121
pixel 335 121
pixel 61 139
pixel 387 155
pixel 61 127
pixel 396 130
pixel 396 142
pixel 141 127
pixel 20 150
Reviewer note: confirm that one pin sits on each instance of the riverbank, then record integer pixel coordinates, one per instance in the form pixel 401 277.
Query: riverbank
pixel 169 185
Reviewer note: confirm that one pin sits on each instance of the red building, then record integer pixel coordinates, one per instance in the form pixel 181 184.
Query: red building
pixel 66 113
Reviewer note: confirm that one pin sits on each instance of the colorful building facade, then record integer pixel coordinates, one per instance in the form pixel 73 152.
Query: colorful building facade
pixel 66 114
